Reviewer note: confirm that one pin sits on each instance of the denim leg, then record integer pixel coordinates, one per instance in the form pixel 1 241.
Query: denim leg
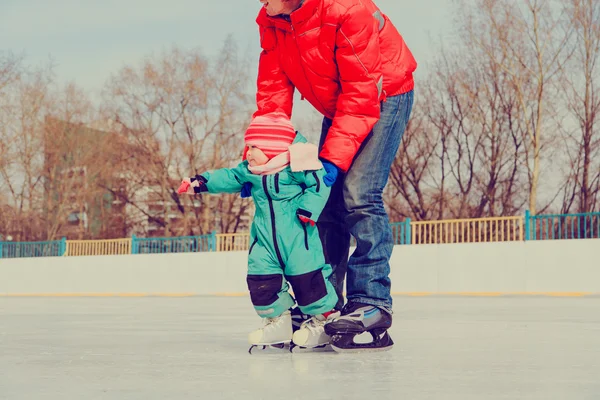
pixel 334 234
pixel 368 268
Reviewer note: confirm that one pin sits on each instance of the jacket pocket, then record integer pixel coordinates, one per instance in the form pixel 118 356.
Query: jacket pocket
pixel 252 245
pixel 305 235
pixel 304 213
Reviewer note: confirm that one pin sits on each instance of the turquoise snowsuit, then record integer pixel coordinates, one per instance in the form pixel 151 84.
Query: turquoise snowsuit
pixel 282 248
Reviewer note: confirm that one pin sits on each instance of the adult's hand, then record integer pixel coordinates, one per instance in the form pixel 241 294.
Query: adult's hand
pixel 246 190
pixel 331 173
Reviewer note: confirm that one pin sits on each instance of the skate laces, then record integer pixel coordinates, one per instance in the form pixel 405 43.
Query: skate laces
pixel 314 324
pixel 268 322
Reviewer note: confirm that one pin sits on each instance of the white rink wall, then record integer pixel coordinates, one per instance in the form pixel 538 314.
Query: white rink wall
pixel 569 267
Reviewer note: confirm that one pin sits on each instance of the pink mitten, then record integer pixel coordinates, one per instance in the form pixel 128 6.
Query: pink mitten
pixel 185 187
pixel 193 185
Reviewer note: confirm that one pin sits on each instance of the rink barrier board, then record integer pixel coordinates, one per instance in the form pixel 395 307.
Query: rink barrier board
pixel 566 268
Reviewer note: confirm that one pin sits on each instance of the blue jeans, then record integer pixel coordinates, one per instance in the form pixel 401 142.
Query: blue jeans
pixel 356 208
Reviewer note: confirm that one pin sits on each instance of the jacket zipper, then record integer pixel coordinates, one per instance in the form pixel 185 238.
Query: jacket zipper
pixel 277 182
pixel 305 235
pixel 274 229
pixel 318 181
pixel 253 243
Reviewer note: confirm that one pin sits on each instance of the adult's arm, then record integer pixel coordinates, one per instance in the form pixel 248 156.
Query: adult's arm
pixel 275 91
pixel 359 64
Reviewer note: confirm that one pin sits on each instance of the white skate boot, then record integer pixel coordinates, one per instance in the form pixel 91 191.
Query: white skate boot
pixel 311 335
pixel 277 332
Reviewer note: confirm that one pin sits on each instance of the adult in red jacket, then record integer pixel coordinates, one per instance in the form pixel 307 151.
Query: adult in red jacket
pixel 348 60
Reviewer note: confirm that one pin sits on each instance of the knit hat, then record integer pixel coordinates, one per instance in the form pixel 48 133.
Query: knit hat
pixel 272 133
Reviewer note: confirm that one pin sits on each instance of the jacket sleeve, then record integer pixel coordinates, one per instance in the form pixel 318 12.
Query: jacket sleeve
pixel 358 105
pixel 316 194
pixel 226 180
pixel 275 92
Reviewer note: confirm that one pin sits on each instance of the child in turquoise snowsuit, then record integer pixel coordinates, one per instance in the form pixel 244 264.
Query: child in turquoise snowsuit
pixel 284 242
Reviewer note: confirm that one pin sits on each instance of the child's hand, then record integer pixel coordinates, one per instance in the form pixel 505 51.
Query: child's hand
pixel 185 187
pixel 332 173
pixel 193 185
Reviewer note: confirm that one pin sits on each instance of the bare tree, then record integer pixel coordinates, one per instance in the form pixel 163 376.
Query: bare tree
pixel 462 155
pixel 51 161
pixel 22 108
pixel 413 190
pixel 494 173
pixel 10 69
pixel 531 47
pixel 182 114
pixel 581 83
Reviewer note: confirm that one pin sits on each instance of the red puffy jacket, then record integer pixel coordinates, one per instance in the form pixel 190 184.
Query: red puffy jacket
pixel 344 57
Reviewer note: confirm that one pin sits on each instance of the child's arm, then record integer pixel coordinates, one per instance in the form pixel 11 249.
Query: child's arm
pixel 315 196
pixel 224 180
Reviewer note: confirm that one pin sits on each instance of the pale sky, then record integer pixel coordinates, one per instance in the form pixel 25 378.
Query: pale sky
pixel 90 39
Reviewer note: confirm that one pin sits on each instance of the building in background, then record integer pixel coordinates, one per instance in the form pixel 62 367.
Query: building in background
pixel 99 182
pixel 79 170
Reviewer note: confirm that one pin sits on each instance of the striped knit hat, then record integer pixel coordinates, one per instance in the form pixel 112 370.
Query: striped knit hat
pixel 272 133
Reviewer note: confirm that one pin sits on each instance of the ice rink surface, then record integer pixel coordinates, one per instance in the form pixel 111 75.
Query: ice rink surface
pixel 195 348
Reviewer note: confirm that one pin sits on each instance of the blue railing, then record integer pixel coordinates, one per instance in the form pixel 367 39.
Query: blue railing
pixel 401 232
pixel 562 226
pixel 536 227
pixel 53 248
pixel 181 244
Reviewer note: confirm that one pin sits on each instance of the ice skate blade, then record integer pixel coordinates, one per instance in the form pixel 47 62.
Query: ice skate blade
pixel 266 346
pixel 317 349
pixel 361 350
pixel 381 341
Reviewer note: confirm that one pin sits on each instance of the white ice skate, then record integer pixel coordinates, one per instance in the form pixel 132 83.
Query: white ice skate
pixel 311 336
pixel 277 332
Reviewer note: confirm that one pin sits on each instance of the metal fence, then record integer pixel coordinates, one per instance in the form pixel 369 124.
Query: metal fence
pixel 562 226
pixel 183 244
pixel 495 229
pixel 401 231
pixel 233 241
pixel 53 248
pixel 98 247
pixel 476 230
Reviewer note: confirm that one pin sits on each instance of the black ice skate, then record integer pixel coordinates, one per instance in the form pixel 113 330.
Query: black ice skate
pixel 356 319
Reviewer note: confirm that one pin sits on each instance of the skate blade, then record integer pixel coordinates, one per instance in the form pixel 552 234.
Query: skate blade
pixel 318 349
pixel 265 347
pixel 361 349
